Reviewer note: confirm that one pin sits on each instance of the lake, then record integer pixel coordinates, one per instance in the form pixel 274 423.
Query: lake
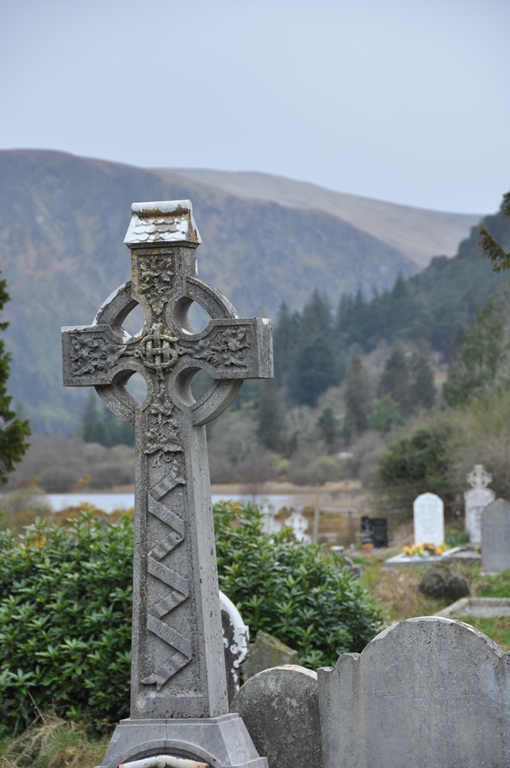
pixel 108 502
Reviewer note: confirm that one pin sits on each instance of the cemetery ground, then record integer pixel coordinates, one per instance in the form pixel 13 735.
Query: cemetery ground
pixel 53 742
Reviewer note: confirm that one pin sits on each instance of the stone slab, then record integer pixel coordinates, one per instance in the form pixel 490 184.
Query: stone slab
pixel 426 692
pixel 496 537
pixel 281 711
pixel 486 607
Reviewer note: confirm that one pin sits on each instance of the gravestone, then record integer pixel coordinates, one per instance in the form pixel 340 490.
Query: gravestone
pixel 266 652
pixel 476 499
pixel 428 512
pixel 374 530
pixel 425 692
pixel 179 700
pixel 299 524
pixel 236 638
pixel 269 523
pixel 496 537
pixel 281 710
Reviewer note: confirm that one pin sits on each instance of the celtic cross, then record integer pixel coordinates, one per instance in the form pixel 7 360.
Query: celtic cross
pixel 178 667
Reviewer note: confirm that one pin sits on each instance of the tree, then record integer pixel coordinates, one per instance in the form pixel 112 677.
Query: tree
pixel 396 379
pixel 13 431
pixel 314 366
pixel 490 248
pixel 423 462
pixel 422 391
pixel 271 417
pixel 479 368
pixel 357 397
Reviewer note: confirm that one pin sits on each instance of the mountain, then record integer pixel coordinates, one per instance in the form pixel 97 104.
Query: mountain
pixel 62 224
pixel 416 232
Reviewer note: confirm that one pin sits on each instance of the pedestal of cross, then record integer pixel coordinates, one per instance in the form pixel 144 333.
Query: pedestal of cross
pixel 178 684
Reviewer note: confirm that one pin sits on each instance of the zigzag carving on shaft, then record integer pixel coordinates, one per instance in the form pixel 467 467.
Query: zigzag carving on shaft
pixel 179 586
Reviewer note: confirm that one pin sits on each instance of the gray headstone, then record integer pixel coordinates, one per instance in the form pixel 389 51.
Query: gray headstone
pixel 281 711
pixel 266 652
pixel 496 537
pixel 476 499
pixel 428 512
pixel 178 670
pixel 425 692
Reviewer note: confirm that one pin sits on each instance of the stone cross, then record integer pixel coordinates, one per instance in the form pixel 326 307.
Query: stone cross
pixel 178 671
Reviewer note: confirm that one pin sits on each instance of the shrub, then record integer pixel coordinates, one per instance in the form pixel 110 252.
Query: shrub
pixel 296 591
pixel 65 629
pixel 65 609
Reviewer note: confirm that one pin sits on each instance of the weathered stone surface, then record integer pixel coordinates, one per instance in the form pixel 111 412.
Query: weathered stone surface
pixel 428 511
pixel 496 537
pixel 425 692
pixel 476 499
pixel 281 711
pixel 441 582
pixel 266 652
pixel 178 668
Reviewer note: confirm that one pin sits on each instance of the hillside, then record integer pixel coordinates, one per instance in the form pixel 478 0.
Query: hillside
pixel 416 232
pixel 62 225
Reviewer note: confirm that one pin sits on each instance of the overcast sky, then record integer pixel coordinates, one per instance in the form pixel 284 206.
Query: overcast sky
pixel 400 100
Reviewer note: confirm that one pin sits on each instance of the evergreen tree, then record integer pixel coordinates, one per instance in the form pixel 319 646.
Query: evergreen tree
pixel 480 367
pixel 314 366
pixel 423 390
pixel 396 379
pixel 492 250
pixel 285 337
pixel 271 417
pixel 357 397
pixel 328 427
pixel 13 431
pixel 92 427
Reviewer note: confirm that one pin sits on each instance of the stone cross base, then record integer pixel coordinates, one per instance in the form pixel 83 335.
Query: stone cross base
pixel 223 742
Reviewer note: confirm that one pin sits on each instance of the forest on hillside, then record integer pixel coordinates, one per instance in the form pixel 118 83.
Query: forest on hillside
pixel 355 384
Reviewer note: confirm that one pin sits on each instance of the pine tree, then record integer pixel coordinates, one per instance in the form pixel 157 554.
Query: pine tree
pixel 271 417
pixel 396 380
pixel 13 431
pixel 423 390
pixel 285 337
pixel 314 366
pixel 357 397
pixel 92 427
pixel 480 366
pixel 490 249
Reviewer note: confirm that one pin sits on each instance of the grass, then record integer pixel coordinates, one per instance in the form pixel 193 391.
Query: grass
pixel 52 743
pixel 397 594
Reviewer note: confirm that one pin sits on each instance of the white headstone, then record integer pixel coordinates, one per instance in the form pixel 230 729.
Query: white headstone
pixel 496 537
pixel 299 524
pixel 269 523
pixel 476 499
pixel 428 519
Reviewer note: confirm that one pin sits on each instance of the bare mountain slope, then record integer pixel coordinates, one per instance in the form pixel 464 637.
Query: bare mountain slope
pixel 420 234
pixel 62 224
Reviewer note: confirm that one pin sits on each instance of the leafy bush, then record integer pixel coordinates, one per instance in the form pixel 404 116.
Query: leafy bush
pixel 293 590
pixel 65 629
pixel 65 609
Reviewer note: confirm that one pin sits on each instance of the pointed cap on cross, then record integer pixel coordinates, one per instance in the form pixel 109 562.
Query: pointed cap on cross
pixel 162 222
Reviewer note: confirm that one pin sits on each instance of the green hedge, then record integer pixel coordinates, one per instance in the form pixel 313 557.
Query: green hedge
pixel 65 622
pixel 65 610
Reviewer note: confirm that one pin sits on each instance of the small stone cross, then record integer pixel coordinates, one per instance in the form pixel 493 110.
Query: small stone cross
pixel 178 666
pixel 478 477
